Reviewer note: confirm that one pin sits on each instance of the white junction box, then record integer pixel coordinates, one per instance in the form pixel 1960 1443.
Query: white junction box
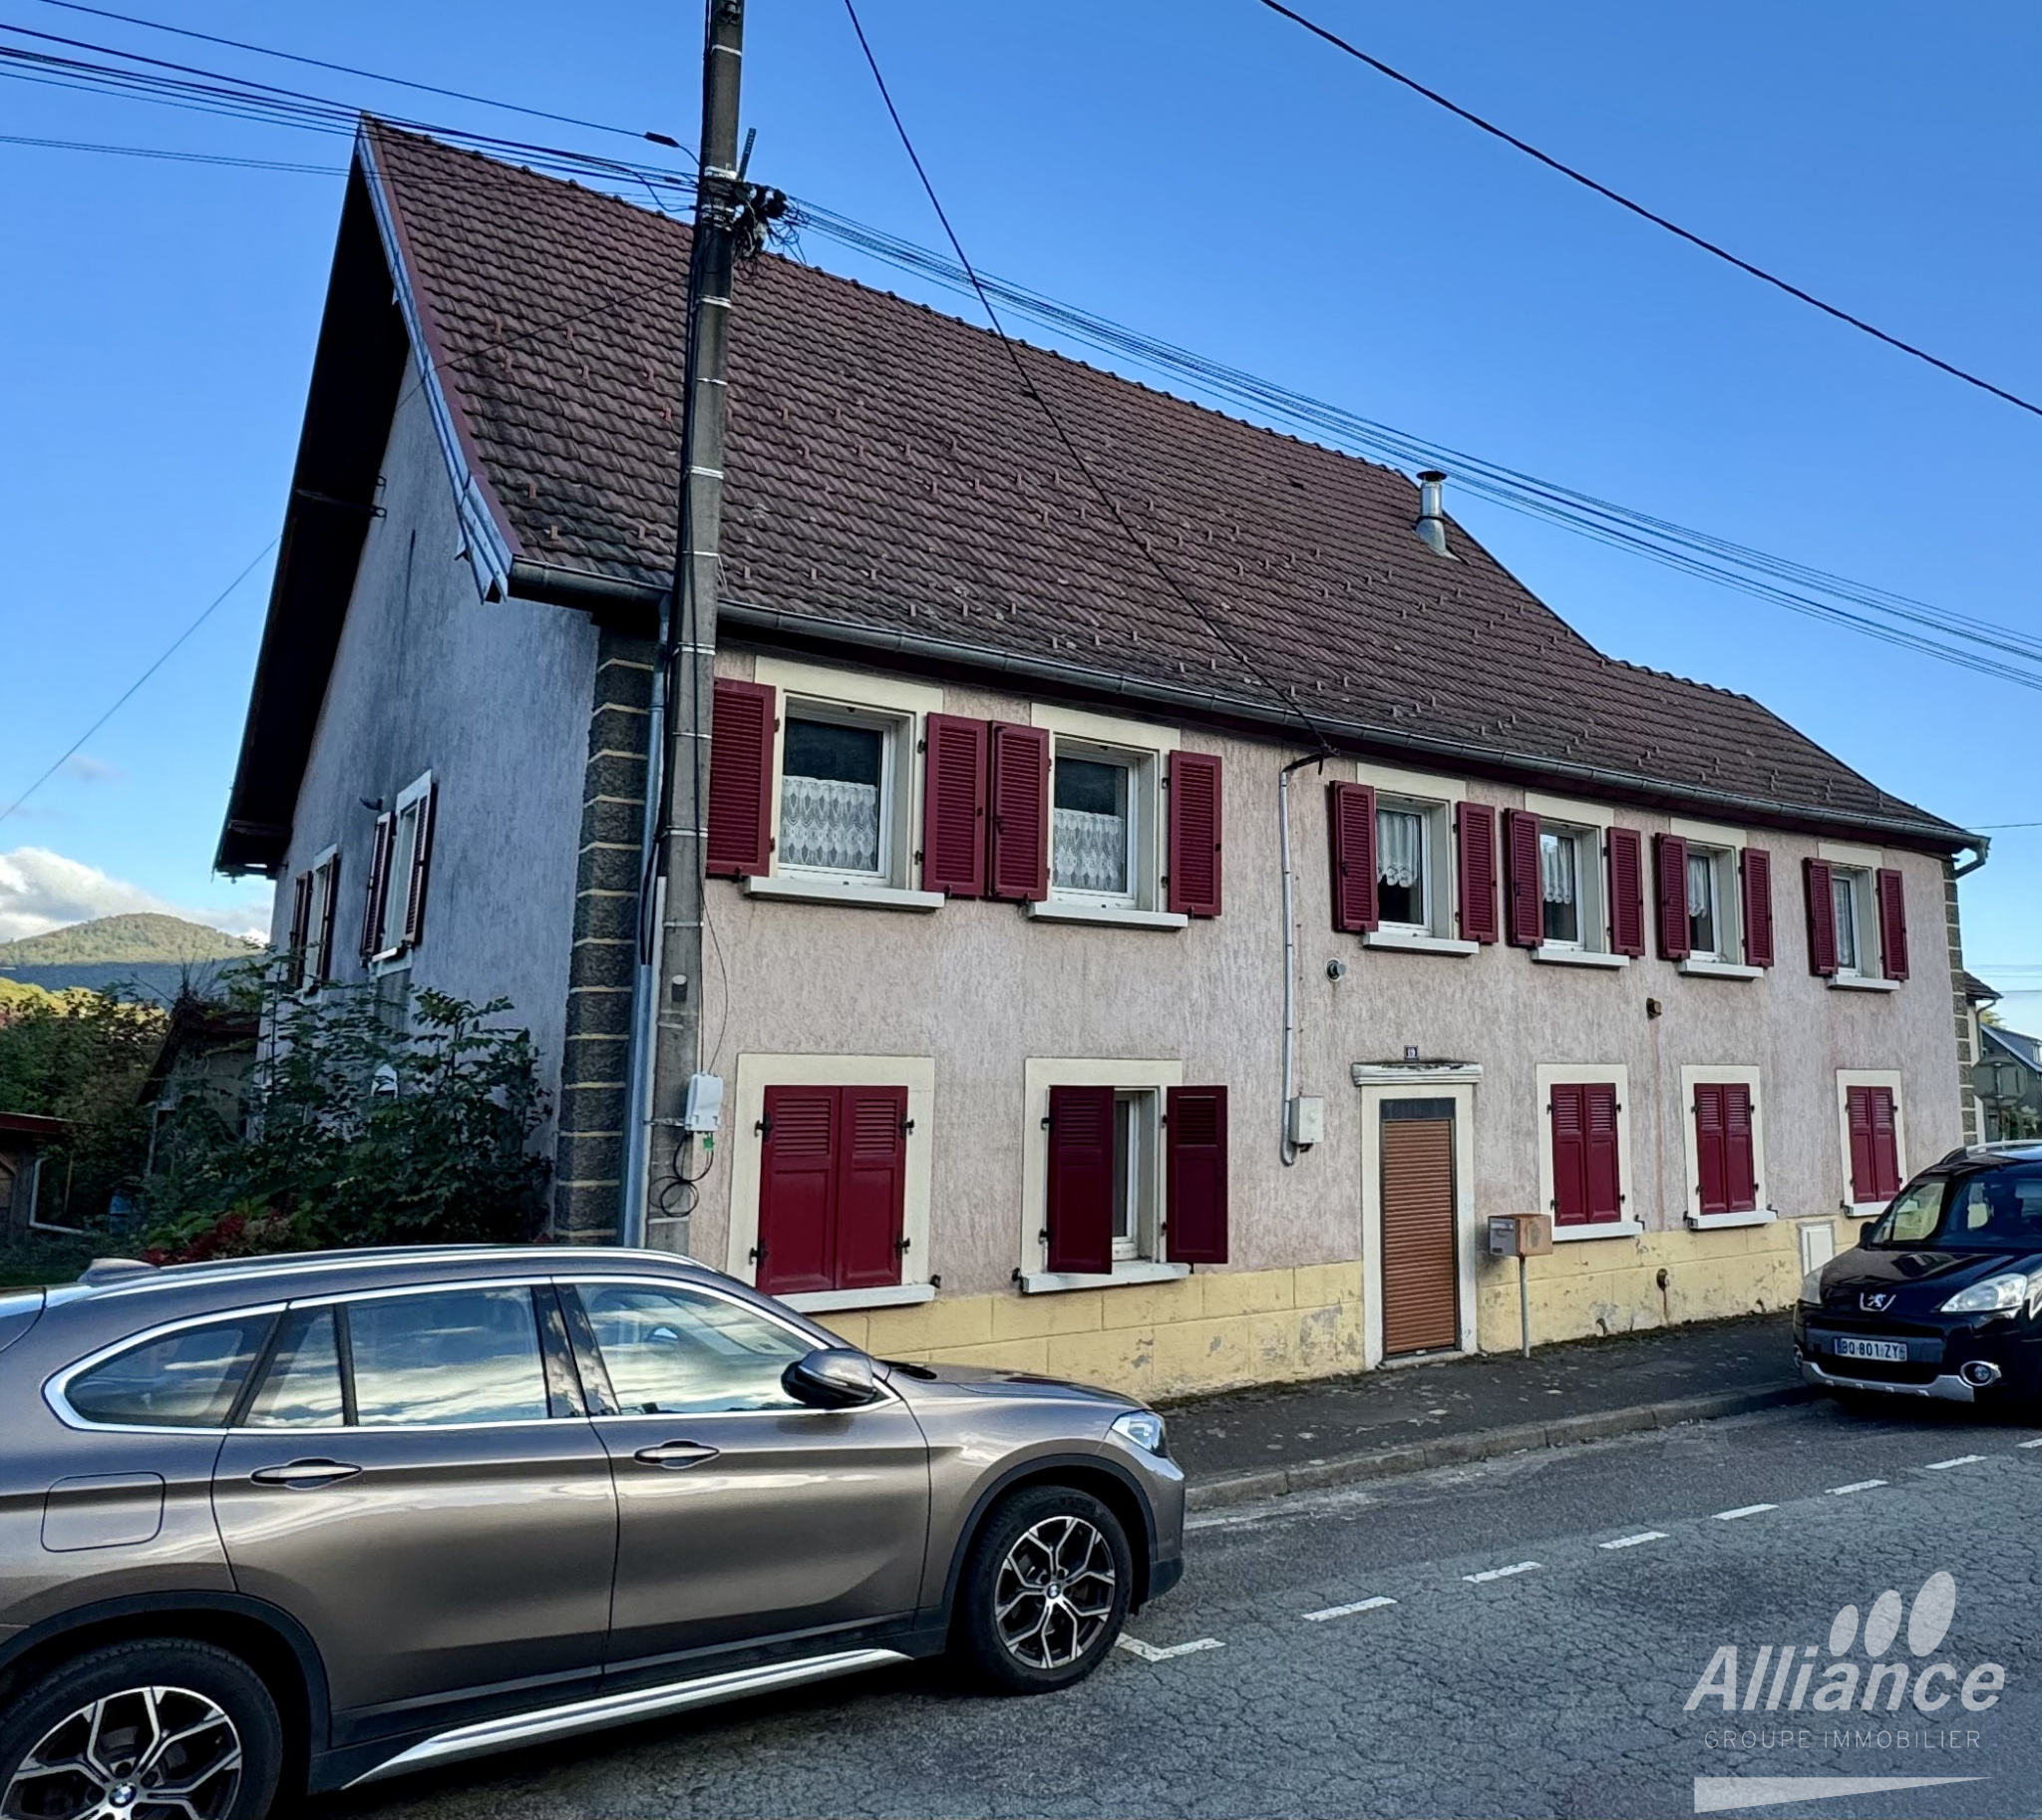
pixel 1307 1121
pixel 704 1110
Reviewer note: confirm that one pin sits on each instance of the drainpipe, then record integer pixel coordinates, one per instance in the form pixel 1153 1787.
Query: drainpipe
pixel 1980 844
pixel 1288 1150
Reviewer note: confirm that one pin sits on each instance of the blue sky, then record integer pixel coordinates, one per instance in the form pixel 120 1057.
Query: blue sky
pixel 1198 169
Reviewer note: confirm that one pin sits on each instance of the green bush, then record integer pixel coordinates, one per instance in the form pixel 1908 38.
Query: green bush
pixel 361 1129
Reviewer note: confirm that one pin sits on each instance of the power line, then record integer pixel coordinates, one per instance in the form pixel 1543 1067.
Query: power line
pixel 127 694
pixel 180 158
pixel 1639 209
pixel 1284 697
pixel 402 81
pixel 1981 645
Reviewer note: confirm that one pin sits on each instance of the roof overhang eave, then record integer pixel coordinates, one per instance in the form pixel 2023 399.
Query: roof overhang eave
pixel 608 595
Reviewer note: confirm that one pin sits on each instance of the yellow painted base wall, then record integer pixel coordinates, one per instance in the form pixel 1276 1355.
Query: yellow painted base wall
pixel 1611 1286
pixel 1225 1329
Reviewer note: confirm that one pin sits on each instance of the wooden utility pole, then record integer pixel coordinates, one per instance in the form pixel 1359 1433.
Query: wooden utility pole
pixel 667 1031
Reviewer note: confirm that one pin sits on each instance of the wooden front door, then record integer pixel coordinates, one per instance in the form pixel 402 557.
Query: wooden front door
pixel 1421 1271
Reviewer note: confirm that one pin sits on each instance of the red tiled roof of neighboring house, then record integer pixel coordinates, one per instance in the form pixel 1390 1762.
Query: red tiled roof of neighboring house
pixel 886 470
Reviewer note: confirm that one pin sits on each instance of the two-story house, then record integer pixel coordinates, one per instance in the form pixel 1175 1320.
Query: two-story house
pixel 1153 972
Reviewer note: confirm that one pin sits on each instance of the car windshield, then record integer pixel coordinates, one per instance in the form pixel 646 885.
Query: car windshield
pixel 1988 1209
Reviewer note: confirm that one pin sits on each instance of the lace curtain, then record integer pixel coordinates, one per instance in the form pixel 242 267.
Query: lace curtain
pixel 832 825
pixel 1699 881
pixel 1556 868
pixel 1091 851
pixel 1400 846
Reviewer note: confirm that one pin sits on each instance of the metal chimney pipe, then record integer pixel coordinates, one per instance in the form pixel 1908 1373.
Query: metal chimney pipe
pixel 1432 521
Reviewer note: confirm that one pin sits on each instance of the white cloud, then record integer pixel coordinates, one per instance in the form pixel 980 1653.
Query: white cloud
pixel 41 890
pixel 89 770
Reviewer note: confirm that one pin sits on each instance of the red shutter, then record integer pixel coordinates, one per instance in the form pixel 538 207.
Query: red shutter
pixel 1605 1180
pixel 1758 907
pixel 301 918
pixel 1526 920
pixel 741 779
pixel 1080 1209
pixel 1670 864
pixel 1193 849
pixel 1740 1161
pixel 953 806
pixel 1885 1148
pixel 1821 916
pixel 1351 822
pixel 797 1190
pixel 421 867
pixel 1893 923
pixel 1626 891
pixel 1017 852
pixel 871 1185
pixel 1711 1160
pixel 328 914
pixel 1569 1156
pixel 1475 837
pixel 378 886
pixel 1858 1120
pixel 1194 1152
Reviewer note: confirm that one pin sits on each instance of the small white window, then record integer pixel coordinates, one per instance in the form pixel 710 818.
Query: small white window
pixel 1405 888
pixel 1712 913
pixel 838 792
pixel 1569 886
pixel 319 921
pixel 402 890
pixel 1844 894
pixel 1134 1158
pixel 1102 815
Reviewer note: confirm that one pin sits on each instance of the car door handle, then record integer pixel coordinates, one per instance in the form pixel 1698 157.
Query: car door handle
pixel 304 1475
pixel 676 1454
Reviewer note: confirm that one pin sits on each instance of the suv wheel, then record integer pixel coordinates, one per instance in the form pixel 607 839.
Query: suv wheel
pixel 1045 1589
pixel 157 1730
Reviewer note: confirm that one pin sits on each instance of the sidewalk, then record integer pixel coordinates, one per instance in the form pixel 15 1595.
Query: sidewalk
pixel 1248 1445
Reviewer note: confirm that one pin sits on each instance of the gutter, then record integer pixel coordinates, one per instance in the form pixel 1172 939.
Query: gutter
pixel 559 586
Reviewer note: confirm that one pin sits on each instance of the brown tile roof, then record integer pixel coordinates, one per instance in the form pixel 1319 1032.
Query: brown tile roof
pixel 885 469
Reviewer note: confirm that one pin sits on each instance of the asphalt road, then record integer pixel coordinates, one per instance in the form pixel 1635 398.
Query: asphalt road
pixel 1559 1689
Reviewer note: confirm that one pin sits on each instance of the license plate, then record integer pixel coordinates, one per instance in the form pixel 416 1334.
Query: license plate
pixel 1893 1352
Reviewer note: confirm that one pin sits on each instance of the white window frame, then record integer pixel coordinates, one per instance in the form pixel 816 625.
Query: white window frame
pixel 1038 1076
pixel 1142 1174
pixel 1431 822
pixel 1145 868
pixel 1591 910
pixel 900 710
pixel 755 1073
pixel 1434 798
pixel 1857 879
pixel 1549 1075
pixel 1889 1079
pixel 1733 1075
pixel 1146 746
pixel 1725 846
pixel 311 961
pixel 392 949
pixel 1724 894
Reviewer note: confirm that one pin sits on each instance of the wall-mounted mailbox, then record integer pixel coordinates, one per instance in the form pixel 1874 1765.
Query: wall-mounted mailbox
pixel 1520 1235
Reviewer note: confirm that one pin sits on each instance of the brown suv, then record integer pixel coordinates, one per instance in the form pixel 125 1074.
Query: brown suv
pixel 301 1522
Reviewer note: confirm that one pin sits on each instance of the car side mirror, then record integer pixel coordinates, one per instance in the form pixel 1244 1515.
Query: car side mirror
pixel 831 1378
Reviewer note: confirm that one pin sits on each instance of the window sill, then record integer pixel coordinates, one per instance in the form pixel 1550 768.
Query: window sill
pixel 1858 983
pixel 1045 1282
pixel 1756 1215
pixel 849 892
pixel 1597 1229
pixel 1717 970
pixel 1411 941
pixel 1114 915
pixel 838 1302
pixel 1577 958
pixel 1865 1210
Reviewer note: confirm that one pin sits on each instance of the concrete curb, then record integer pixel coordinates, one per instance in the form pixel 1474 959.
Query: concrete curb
pixel 1486 1444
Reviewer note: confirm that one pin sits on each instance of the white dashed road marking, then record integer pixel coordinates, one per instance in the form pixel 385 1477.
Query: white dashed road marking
pixel 1149 1653
pixel 1742 1510
pixel 1963 1459
pixel 1841 1491
pixel 2037 1442
pixel 1360 1604
pixel 1521 1567
pixel 1631 1542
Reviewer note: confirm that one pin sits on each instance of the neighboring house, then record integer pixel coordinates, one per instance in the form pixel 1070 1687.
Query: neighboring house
pixel 1975 997
pixel 996 959
pixel 208 1051
pixel 24 1137
pixel 2010 1074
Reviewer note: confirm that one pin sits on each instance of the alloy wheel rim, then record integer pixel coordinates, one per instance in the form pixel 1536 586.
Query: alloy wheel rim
pixel 1054 1596
pixel 145 1753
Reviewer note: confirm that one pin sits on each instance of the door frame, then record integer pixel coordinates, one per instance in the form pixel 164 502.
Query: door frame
pixel 1455 1081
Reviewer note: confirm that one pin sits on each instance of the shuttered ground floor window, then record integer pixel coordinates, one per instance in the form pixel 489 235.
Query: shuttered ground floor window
pixel 1726 1164
pixel 1587 1161
pixel 832 1188
pixel 1873 1122
pixel 1132 1174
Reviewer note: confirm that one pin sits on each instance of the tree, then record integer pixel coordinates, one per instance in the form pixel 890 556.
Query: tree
pixel 361 1128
